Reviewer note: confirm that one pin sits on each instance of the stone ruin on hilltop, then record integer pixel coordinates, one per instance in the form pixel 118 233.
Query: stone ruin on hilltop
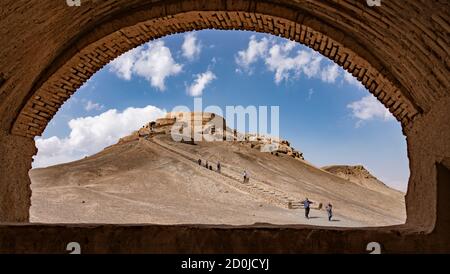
pixel 190 127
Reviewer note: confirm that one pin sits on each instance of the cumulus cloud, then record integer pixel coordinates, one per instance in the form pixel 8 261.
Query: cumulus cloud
pixel 313 67
pixel 93 106
pixel 200 83
pixel 330 73
pixel 89 135
pixel 369 108
pixel 255 50
pixel 285 61
pixel 285 66
pixel 191 47
pixel 123 65
pixel 351 80
pixel 153 61
pixel 310 94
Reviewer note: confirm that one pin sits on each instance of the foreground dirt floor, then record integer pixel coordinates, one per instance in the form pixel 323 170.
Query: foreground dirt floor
pixel 159 181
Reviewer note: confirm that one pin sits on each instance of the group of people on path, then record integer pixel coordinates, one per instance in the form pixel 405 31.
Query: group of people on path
pixel 307 205
pixel 245 174
pixel 210 167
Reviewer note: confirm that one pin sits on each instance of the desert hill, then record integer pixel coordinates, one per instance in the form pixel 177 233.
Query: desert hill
pixel 148 177
pixel 359 175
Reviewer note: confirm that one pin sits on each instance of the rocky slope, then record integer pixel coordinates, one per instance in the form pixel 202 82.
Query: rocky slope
pixel 359 175
pixel 150 178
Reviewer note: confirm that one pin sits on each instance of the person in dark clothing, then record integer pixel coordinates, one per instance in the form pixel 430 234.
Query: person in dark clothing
pixel 329 209
pixel 307 205
pixel 218 167
pixel 207 165
pixel 199 162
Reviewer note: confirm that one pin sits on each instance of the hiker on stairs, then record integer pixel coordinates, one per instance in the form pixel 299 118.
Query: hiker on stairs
pixel 329 209
pixel 246 176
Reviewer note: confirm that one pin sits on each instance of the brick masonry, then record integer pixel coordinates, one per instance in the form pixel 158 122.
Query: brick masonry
pixel 59 87
pixel 299 26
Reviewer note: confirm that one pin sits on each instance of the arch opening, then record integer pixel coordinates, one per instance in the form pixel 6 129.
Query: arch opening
pixel 46 100
pixel 307 60
pixel 407 43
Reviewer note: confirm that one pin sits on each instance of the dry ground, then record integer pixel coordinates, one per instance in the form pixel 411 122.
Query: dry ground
pixel 142 182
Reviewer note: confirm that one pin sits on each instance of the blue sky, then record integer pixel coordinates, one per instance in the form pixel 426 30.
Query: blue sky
pixel 324 112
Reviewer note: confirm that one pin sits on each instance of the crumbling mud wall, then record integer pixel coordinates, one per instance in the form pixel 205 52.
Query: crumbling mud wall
pixel 15 192
pixel 428 145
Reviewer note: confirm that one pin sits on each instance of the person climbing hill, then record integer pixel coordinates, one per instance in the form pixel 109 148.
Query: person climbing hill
pixel 244 174
pixel 329 209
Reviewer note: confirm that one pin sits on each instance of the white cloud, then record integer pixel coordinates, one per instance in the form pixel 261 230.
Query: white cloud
pixel 255 50
pixel 156 64
pixel 369 108
pixel 191 47
pixel 279 62
pixel 153 62
pixel 313 67
pixel 123 65
pixel 89 135
pixel 351 80
pixel 285 61
pixel 200 83
pixel 330 73
pixel 285 66
pixel 93 106
pixel 310 93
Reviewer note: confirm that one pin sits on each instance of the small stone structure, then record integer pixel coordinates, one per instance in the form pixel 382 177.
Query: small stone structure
pixel 180 123
pixel 212 125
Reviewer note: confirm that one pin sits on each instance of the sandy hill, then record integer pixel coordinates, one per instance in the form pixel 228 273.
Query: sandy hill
pixel 358 175
pixel 149 178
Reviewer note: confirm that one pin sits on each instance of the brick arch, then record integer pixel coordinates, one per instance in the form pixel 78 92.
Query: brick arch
pixel 47 98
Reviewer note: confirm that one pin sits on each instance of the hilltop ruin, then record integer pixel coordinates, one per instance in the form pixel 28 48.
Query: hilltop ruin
pixel 191 127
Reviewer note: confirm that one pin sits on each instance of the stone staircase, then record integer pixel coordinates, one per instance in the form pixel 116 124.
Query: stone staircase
pixel 255 187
